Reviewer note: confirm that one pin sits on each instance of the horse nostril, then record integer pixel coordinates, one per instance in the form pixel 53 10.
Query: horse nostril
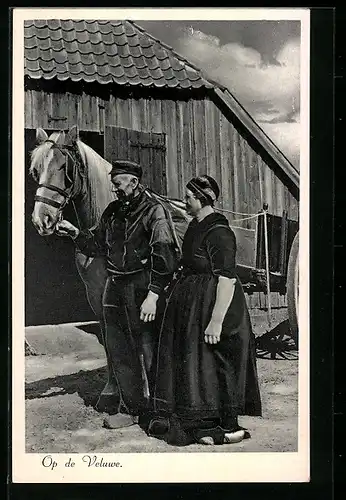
pixel 35 221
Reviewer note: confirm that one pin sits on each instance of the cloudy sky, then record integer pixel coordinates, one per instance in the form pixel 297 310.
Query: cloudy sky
pixel 258 61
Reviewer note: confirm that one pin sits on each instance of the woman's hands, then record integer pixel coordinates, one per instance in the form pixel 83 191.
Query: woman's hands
pixel 212 333
pixel 224 295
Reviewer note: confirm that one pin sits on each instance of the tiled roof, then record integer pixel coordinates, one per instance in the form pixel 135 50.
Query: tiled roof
pixel 105 52
pixel 122 52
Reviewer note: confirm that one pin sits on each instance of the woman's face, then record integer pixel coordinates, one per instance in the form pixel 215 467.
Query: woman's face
pixel 193 205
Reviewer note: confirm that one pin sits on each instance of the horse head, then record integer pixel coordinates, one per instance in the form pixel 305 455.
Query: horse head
pixel 54 166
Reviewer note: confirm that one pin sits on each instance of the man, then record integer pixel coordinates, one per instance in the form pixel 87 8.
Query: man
pixel 136 239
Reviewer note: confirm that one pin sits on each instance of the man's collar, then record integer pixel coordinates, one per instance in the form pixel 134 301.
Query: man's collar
pixel 131 205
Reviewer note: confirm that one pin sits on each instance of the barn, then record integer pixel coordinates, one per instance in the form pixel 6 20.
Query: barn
pixel 133 96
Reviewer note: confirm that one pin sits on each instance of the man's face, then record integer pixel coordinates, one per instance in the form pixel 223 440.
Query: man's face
pixel 193 205
pixel 124 185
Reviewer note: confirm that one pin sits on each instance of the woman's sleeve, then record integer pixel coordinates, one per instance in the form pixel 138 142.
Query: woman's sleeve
pixel 221 246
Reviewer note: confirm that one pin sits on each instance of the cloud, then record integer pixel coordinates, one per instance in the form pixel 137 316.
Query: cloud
pixel 286 136
pixel 268 87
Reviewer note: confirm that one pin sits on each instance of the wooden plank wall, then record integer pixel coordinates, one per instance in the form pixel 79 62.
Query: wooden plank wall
pixel 199 140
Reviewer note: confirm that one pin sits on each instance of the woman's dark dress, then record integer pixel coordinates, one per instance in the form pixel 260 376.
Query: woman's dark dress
pixel 198 385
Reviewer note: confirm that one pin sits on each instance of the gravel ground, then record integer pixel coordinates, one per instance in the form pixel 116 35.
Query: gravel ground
pixel 65 378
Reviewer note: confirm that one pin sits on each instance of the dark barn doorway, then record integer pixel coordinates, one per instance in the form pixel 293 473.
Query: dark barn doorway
pixel 54 292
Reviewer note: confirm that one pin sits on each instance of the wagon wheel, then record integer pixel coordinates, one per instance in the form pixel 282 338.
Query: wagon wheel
pixel 293 287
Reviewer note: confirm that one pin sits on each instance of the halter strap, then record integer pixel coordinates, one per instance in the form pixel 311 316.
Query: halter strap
pixel 54 188
pixel 49 201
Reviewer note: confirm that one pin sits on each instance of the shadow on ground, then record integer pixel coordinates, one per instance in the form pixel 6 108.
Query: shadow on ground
pixel 87 384
pixel 277 343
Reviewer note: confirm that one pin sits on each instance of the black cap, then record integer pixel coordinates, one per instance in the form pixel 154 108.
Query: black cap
pixel 126 167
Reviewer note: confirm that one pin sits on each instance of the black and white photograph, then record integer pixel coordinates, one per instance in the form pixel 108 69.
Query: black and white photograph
pixel 160 245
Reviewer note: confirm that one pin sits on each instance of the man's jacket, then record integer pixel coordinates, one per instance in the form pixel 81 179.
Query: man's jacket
pixel 134 237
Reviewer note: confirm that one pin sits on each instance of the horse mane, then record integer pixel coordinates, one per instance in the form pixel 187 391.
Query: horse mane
pixel 99 189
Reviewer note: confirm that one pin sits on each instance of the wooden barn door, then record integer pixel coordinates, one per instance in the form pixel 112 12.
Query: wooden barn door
pixel 146 148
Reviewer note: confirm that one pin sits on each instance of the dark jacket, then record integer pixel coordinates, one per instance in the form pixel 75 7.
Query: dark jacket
pixel 134 237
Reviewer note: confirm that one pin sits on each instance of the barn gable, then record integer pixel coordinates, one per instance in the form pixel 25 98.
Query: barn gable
pixel 122 53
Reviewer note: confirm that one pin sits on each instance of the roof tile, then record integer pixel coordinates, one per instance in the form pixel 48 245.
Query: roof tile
pixel 165 64
pixel 148 52
pixel 80 26
pixel 55 34
pixel 43 33
pixel 67 25
pixel 95 37
pixel 160 52
pixel 68 36
pixel 126 61
pixel 87 47
pixel 136 80
pixel 118 30
pixel 32 65
pixel 92 26
pixel 40 23
pixel 117 71
pixel 29 31
pixel 129 30
pixel 156 73
pixel 32 54
pixel 97 48
pixel 54 24
pixel 136 52
pixel 75 57
pixel 48 66
pixel 152 63
pixel 82 36
pixel 46 55
pixel 140 62
pixel 31 43
pixel 131 72
pixel 104 51
pixel 114 60
pixel 144 40
pixel 57 44
pixel 100 59
pixel 111 50
pixel 181 75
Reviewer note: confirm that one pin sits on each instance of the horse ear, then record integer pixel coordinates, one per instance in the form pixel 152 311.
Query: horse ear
pixel 61 138
pixel 73 135
pixel 41 135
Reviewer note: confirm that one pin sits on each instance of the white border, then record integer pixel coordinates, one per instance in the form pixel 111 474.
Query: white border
pixel 161 467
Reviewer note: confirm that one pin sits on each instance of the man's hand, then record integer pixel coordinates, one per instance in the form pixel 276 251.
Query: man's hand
pixel 148 308
pixel 212 333
pixel 65 228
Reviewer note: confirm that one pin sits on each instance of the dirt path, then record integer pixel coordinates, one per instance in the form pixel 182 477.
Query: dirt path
pixel 64 380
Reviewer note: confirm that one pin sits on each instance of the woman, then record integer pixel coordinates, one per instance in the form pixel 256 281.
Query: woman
pixel 206 371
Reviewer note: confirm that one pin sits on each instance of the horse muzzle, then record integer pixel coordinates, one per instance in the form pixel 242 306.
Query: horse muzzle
pixel 45 223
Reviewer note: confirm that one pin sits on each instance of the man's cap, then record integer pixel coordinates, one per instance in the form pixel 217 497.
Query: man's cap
pixel 126 167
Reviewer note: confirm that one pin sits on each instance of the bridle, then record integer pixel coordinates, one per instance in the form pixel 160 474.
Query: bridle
pixel 71 154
